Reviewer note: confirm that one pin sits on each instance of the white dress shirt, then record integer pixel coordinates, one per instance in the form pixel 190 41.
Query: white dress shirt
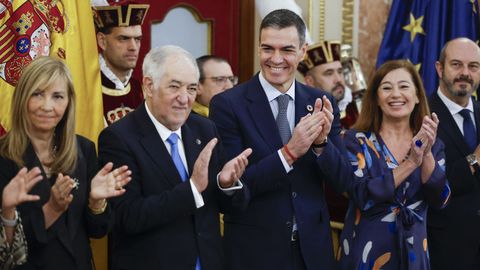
pixel 164 133
pixel 272 93
pixel 455 109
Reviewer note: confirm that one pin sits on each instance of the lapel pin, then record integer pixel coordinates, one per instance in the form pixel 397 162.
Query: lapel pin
pixel 310 108
pixel 197 141
pixel 76 183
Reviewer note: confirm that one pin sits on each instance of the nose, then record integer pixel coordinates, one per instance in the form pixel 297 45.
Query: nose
pixel 465 70
pixel 133 45
pixel 182 96
pixel 47 104
pixel 277 57
pixel 338 78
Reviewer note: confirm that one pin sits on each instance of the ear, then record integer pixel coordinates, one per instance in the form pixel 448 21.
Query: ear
pixel 309 80
pixel 303 50
pixel 102 40
pixel 439 68
pixel 147 86
pixel 199 89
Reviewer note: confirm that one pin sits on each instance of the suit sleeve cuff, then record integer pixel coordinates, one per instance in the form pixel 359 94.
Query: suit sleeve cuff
pixel 287 167
pixel 230 190
pixel 196 195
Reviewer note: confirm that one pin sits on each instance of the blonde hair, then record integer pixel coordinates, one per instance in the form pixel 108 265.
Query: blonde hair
pixel 371 116
pixel 40 74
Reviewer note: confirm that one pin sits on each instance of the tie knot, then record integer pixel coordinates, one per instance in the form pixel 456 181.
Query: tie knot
pixel 282 101
pixel 465 113
pixel 172 139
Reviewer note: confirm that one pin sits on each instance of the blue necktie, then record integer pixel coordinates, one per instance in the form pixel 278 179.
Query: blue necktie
pixel 173 141
pixel 469 132
pixel 282 120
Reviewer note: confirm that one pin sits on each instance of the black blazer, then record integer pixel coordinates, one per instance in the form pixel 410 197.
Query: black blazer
pixel 65 245
pixel 260 237
pixel 460 220
pixel 157 225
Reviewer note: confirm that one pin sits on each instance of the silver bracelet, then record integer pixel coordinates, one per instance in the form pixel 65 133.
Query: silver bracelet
pixel 10 222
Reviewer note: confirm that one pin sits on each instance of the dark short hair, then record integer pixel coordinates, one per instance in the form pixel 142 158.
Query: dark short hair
pixel 104 30
pixel 283 18
pixel 205 58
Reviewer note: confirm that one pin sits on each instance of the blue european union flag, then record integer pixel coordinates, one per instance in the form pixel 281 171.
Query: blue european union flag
pixel 418 29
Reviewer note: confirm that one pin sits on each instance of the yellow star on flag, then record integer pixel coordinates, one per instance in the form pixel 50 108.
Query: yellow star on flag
pixel 415 27
pixel 418 66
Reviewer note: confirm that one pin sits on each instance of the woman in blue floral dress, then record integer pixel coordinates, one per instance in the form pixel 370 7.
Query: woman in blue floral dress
pixel 399 169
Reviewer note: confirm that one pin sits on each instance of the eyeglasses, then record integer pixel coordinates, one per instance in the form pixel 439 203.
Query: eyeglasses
pixel 221 80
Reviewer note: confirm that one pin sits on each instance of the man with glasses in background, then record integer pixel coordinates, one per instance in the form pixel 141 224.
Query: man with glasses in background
pixel 216 76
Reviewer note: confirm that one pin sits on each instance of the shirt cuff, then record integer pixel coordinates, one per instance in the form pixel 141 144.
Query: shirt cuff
pixel 287 167
pixel 230 190
pixel 196 195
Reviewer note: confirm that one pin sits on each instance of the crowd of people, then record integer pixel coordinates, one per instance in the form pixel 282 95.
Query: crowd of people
pixel 260 153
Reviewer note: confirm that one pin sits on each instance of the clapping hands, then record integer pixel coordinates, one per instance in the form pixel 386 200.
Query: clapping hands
pixel 423 141
pixel 108 183
pixel 16 191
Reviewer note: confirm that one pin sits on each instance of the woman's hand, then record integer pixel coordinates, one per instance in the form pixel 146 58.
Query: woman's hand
pixel 60 193
pixel 108 183
pixel 429 130
pixel 16 191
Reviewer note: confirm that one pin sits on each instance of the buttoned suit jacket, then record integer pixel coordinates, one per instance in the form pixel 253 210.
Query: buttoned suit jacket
pixel 459 221
pixel 157 224
pixel 259 236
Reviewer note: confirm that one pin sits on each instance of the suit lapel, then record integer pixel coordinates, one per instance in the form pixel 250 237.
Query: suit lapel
pixel 262 115
pixel 43 190
pixel 153 145
pixel 476 113
pixel 192 145
pixel 448 124
pixel 302 101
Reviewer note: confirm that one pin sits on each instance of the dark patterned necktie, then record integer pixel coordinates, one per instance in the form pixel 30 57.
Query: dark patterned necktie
pixel 469 132
pixel 282 120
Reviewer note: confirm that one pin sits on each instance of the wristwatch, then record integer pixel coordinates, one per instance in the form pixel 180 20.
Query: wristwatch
pixel 472 161
pixel 322 144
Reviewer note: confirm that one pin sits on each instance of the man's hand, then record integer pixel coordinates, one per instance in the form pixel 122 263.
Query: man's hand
pixel 327 112
pixel 307 130
pixel 233 170
pixel 200 168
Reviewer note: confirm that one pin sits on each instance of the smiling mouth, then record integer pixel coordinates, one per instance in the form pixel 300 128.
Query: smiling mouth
pixel 396 103
pixel 276 69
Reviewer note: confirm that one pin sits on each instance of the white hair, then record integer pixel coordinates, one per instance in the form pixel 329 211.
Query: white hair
pixel 154 61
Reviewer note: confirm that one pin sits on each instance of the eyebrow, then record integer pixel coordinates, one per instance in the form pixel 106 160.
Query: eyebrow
pixel 282 48
pixel 181 83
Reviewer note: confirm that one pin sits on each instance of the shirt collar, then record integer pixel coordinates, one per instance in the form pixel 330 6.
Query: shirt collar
pixel 162 130
pixel 453 107
pixel 271 92
pixel 111 76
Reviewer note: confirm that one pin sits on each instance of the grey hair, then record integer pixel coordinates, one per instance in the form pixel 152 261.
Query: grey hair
pixel 154 61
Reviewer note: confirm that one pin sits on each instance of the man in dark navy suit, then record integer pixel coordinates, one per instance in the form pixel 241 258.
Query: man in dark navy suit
pixel 285 222
pixel 453 232
pixel 168 216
